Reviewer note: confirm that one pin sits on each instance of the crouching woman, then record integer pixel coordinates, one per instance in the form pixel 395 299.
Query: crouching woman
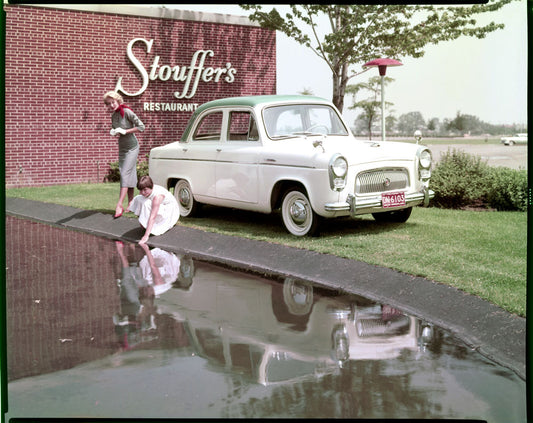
pixel 156 207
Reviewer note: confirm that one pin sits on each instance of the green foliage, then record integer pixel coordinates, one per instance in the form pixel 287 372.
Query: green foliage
pixel 371 105
pixel 461 179
pixel 408 123
pixel 507 189
pixel 463 124
pixel 361 32
pixel 113 174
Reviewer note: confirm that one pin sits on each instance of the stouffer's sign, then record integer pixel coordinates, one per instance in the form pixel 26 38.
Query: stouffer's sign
pixel 190 75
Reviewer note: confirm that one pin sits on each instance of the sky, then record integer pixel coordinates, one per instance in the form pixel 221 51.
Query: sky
pixel 486 77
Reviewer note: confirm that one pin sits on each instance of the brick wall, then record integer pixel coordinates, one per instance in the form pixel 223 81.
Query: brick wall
pixel 59 63
pixel 61 294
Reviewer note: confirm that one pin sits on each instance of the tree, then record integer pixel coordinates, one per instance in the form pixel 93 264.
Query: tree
pixel 358 33
pixel 433 124
pixel 390 123
pixel 465 124
pixel 371 105
pixel 408 123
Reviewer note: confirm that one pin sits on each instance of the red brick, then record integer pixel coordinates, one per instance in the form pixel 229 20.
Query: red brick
pixel 59 63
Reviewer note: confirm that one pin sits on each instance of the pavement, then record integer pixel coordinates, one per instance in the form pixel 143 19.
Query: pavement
pixel 514 157
pixel 495 333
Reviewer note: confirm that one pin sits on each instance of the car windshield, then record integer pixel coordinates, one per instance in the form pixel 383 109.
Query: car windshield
pixel 302 119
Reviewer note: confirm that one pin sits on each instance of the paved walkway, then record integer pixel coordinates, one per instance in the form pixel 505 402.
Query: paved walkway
pixel 497 334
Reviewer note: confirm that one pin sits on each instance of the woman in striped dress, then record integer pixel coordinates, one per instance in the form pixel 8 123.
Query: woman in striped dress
pixel 125 124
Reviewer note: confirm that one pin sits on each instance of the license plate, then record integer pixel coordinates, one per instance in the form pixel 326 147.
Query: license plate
pixel 393 199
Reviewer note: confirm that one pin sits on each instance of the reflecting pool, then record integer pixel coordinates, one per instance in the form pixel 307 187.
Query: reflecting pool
pixel 99 328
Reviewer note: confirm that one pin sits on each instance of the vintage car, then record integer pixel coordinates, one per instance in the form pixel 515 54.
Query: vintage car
pixel 289 153
pixel 515 139
pixel 273 332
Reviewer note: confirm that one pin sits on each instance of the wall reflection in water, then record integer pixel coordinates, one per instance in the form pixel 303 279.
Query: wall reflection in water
pixel 281 348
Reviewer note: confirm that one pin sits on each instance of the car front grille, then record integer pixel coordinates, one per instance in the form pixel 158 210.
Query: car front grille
pixel 377 327
pixel 381 180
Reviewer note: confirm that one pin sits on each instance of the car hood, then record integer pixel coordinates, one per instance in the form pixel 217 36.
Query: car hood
pixel 317 151
pixel 355 151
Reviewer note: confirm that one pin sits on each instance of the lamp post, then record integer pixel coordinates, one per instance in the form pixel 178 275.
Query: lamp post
pixel 382 64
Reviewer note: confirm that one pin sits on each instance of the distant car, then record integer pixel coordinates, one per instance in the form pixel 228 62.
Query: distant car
pixel 292 153
pixel 515 139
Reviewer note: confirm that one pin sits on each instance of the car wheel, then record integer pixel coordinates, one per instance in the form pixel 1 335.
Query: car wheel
pixel 394 216
pixel 297 215
pixel 511 142
pixel 183 193
pixel 298 296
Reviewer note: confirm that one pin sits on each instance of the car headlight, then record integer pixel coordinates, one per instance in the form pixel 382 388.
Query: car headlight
pixel 424 163
pixel 425 159
pixel 338 169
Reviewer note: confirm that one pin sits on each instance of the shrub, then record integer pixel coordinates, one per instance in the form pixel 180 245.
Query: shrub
pixel 113 174
pixel 459 179
pixel 507 189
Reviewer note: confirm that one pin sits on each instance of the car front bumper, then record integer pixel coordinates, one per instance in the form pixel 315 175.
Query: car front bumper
pixel 373 204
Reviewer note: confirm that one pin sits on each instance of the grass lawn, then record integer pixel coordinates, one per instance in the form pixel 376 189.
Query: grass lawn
pixel 483 253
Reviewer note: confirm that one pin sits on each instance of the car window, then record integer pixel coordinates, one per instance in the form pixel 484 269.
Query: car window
pixel 209 128
pixel 242 127
pixel 288 121
pixel 301 119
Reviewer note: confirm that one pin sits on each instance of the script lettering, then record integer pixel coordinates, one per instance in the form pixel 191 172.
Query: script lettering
pixel 197 71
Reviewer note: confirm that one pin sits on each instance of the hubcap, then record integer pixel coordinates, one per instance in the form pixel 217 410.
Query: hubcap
pixel 298 212
pixel 185 198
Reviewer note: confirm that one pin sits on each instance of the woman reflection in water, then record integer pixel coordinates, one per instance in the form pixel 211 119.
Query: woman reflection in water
pixel 156 207
pixel 142 280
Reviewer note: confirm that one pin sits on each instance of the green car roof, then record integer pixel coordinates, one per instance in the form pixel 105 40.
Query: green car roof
pixel 257 99
pixel 248 101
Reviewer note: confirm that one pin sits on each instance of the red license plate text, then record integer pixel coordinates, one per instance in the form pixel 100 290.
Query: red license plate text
pixel 393 199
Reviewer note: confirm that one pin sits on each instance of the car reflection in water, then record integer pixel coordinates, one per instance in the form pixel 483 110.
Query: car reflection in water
pixel 271 332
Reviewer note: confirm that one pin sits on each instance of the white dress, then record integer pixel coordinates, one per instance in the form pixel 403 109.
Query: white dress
pixel 168 265
pixel 167 215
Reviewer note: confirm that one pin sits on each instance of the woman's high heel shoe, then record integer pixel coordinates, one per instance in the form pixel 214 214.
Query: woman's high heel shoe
pixel 117 215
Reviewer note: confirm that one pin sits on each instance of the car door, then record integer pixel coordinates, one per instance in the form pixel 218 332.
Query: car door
pixel 237 159
pixel 199 154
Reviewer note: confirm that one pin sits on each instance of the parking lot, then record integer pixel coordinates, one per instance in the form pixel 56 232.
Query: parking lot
pixel 514 157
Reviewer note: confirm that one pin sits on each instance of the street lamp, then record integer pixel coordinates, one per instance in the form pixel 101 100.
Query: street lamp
pixel 382 64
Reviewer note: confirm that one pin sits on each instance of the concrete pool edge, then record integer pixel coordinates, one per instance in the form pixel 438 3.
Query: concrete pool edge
pixel 497 334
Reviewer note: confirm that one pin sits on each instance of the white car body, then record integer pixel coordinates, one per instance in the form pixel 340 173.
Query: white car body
pixel 310 173
pixel 515 139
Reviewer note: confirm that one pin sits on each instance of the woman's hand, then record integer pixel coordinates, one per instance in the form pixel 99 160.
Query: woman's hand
pixel 118 132
pixel 156 202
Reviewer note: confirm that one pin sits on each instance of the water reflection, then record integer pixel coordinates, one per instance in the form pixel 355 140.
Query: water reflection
pixel 146 326
pixel 278 332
